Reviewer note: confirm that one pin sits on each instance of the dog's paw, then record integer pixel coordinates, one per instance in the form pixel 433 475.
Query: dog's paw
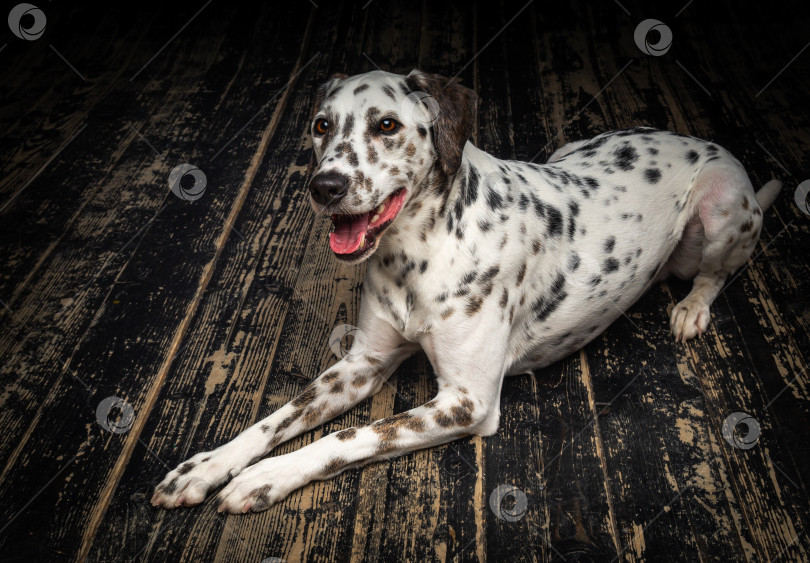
pixel 689 318
pixel 190 482
pixel 261 485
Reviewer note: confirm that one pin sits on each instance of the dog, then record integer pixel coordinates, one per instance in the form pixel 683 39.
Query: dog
pixel 492 267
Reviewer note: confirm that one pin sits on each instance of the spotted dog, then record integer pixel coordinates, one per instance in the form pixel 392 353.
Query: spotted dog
pixel 492 267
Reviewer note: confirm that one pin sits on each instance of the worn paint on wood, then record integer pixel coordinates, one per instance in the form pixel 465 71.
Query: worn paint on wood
pixel 206 316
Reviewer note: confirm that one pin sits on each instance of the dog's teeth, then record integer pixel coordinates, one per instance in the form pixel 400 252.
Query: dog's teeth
pixel 381 208
pixel 374 219
pixel 362 240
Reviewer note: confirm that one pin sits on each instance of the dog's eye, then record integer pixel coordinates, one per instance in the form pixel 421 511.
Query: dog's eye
pixel 321 127
pixel 388 126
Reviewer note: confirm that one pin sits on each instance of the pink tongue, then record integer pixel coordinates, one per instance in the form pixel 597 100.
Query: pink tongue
pixel 347 235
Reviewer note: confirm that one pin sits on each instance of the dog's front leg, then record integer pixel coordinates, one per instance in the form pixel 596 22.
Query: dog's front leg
pixel 467 403
pixel 357 376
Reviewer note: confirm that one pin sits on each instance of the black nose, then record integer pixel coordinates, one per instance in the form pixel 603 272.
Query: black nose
pixel 328 187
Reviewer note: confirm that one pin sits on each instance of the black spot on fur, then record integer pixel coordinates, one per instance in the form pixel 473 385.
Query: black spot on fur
pixel 372 117
pixel 489 274
pixel 555 222
pixel 388 91
pixel 494 199
pixel 692 157
pixel 360 88
pixel 539 207
pixel 521 274
pixel 348 125
pixel 652 175
pixel 186 467
pixel 469 186
pixel 625 155
pixel 609 244
pixel 547 304
pixel 523 202
pixel 610 265
pixel 469 278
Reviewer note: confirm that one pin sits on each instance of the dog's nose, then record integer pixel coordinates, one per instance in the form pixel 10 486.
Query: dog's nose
pixel 328 187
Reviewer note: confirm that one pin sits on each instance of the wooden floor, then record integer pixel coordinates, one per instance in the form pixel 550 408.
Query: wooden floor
pixel 205 316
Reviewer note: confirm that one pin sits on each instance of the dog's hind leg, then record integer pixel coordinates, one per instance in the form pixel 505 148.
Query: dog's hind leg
pixel 731 217
pixel 360 374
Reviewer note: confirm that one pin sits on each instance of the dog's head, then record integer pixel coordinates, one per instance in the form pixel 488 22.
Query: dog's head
pixel 376 136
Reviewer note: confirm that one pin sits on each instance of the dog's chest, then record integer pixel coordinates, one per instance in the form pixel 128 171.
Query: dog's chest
pixel 418 288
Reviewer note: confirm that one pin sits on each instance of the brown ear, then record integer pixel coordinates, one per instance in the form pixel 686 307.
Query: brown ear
pixel 456 115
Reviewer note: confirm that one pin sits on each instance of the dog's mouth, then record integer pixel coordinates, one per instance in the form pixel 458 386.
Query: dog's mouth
pixel 356 236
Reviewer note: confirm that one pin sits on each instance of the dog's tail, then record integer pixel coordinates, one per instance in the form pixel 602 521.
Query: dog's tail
pixel 767 193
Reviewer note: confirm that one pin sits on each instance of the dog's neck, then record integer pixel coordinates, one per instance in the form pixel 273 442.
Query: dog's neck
pixel 442 207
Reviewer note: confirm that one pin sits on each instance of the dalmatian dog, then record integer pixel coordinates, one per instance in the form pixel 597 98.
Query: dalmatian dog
pixel 492 267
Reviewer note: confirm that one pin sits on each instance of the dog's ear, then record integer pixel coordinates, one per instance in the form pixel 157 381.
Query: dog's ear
pixel 454 124
pixel 324 88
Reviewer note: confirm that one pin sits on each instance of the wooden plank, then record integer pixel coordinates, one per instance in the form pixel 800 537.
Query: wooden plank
pixel 45 122
pixel 249 306
pixel 55 308
pixel 70 279
pixel 140 301
pixel 767 479
pixel 28 115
